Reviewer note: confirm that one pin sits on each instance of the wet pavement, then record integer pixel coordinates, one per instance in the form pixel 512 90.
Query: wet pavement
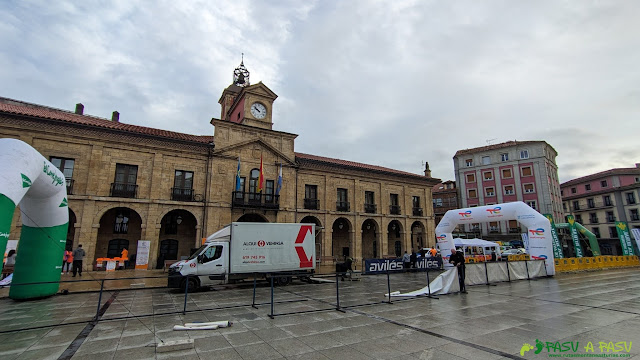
pixel 490 322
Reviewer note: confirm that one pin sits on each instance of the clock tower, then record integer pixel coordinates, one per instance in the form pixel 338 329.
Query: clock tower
pixel 247 104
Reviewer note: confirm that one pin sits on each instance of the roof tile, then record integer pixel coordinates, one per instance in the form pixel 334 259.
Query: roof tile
pixel 22 108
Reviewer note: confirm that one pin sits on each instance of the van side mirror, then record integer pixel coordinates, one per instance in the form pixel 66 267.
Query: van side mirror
pixel 200 258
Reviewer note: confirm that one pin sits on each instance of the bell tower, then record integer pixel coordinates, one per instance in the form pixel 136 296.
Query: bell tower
pixel 229 95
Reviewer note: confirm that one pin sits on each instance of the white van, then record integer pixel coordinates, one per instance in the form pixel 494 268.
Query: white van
pixel 241 250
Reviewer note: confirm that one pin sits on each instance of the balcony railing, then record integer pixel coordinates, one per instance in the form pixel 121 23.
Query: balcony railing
pixel 611 219
pixel 394 209
pixel 370 208
pixel 181 194
pixel 342 206
pixel 242 199
pixel 69 186
pixel 635 217
pixel 417 211
pixel 514 230
pixel 593 205
pixel 593 220
pixel 124 190
pixel 311 204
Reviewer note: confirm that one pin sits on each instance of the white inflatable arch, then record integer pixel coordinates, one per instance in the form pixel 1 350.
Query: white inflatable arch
pixel 29 180
pixel 539 228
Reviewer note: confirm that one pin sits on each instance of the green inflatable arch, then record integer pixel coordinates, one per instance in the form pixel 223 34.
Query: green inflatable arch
pixel 29 180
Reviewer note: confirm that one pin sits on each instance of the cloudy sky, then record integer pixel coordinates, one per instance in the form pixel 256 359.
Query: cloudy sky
pixel 391 83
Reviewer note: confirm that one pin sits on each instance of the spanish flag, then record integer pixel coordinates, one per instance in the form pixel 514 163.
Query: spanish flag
pixel 261 178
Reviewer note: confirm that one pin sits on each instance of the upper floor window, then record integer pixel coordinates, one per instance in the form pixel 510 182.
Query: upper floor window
pixel 524 154
pixel 394 207
pixel 486 160
pixel 416 201
pixel 254 176
pixel 526 171
pixel 311 197
pixel 591 203
pixel 587 187
pixel 471 178
pixel 603 183
pixel 607 200
pixel 634 214
pixel 508 190
pixel 472 193
pixel 369 202
pixel 343 202
pixel 66 166
pixel 504 157
pixel 528 188
pixel 469 162
pixel 125 181
pixel 437 202
pixel 183 179
pixel 489 191
pixel 596 232
pixel 532 204
pixel 182 186
pixel 574 190
pixel 507 174
pixel 269 186
pixel 488 175
pixel 631 198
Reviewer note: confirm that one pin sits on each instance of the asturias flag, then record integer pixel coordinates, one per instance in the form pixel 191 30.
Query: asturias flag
pixel 279 186
pixel 261 178
pixel 238 176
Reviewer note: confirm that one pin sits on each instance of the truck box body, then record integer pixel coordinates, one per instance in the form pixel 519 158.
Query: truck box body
pixel 265 247
pixel 240 250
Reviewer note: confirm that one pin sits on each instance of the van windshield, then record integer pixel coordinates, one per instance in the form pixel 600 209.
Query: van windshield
pixel 197 252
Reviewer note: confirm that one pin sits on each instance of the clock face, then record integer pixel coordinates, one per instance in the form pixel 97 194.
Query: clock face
pixel 258 110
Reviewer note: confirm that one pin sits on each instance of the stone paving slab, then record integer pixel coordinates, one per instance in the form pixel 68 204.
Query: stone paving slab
pixel 490 322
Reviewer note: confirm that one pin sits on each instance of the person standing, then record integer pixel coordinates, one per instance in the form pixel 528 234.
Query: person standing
pixel 78 255
pixel 433 251
pixel 413 258
pixel 457 259
pixel 68 261
pixel 406 261
pixel 125 256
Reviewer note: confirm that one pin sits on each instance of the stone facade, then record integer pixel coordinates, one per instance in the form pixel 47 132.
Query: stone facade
pixel 175 217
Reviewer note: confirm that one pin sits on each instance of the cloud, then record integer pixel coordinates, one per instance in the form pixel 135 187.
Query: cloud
pixel 387 83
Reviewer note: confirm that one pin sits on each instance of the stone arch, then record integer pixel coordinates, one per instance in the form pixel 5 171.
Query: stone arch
pixel 341 233
pixel 370 241
pixel 104 209
pixel 318 241
pixel 179 225
pixel 394 238
pixel 168 210
pixel 252 217
pixel 418 236
pixel 118 223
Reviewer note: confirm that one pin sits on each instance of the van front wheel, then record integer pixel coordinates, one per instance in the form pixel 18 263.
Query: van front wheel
pixel 192 283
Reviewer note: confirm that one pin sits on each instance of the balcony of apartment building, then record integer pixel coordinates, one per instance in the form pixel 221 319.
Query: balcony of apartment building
pixel 251 200
pixel 515 230
pixel 124 190
pixel 417 211
pixel 182 194
pixel 394 209
pixel 311 204
pixel 370 208
pixel 593 219
pixel 342 206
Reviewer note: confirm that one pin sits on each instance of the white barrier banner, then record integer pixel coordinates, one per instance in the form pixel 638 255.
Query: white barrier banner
pixel 636 235
pixel 517 270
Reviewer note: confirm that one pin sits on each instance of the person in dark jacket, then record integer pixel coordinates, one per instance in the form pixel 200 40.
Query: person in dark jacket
pixel 413 258
pixel 457 259
pixel 78 255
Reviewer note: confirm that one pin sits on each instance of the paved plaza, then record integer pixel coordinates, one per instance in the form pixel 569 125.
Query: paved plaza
pixel 490 322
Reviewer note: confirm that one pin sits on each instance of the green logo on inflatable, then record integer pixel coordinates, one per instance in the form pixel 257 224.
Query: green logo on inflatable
pixel 26 182
pixel 64 203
